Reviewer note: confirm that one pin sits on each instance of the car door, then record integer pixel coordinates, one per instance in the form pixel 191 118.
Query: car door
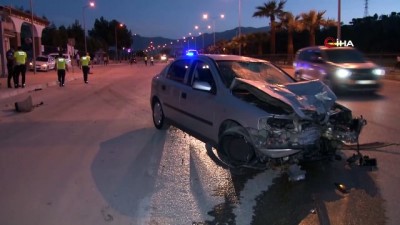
pixel 200 106
pixel 171 88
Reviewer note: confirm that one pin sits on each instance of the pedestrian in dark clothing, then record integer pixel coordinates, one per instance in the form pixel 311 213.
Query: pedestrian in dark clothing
pixel 10 66
pixel 78 60
pixel 62 67
pixel 20 67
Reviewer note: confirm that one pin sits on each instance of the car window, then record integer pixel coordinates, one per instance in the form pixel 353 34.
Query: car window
pixel 303 55
pixel 256 71
pixel 345 56
pixel 310 55
pixel 177 70
pixel 202 72
pixel 42 59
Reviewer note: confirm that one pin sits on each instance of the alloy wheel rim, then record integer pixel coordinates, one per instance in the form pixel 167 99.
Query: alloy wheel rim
pixel 157 114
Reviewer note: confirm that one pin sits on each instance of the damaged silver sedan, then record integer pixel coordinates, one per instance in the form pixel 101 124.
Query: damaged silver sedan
pixel 252 112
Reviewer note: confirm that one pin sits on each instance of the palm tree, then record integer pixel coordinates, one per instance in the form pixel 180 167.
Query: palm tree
pixel 291 24
pixel 271 10
pixel 312 21
pixel 256 41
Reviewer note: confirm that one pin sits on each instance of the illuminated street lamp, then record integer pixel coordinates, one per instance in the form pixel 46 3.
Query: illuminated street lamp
pixel 205 16
pixel 91 4
pixel 116 41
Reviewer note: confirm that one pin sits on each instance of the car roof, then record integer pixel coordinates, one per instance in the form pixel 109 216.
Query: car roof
pixel 222 57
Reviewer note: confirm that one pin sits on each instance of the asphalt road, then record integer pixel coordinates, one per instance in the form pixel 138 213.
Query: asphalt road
pixel 90 155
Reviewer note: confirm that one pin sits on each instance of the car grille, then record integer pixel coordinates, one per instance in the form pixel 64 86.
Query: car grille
pixel 363 74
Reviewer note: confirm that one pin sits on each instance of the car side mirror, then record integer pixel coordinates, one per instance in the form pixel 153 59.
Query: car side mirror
pixel 202 86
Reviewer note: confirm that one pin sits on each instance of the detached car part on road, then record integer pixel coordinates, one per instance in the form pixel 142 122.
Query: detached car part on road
pixel 251 111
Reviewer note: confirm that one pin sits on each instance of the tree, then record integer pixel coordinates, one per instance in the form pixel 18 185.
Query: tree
pixel 107 32
pixel 291 24
pixel 312 21
pixel 271 10
pixel 76 32
pixel 256 41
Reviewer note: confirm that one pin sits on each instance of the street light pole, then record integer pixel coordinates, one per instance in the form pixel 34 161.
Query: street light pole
pixel 201 33
pixel 338 25
pixel 239 28
pixel 91 4
pixel 205 16
pixel 33 41
pixel 116 42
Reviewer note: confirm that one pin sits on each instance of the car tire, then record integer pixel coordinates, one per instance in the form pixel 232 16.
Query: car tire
pixel 158 116
pixel 235 146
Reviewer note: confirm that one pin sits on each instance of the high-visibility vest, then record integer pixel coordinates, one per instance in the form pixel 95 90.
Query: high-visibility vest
pixel 61 63
pixel 20 57
pixel 85 60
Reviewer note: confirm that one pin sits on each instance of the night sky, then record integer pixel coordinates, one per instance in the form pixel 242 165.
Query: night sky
pixel 177 18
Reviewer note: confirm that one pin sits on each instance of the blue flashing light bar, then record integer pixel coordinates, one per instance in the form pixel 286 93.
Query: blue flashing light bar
pixel 191 52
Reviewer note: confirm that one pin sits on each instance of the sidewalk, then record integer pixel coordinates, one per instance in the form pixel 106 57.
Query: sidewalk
pixel 37 81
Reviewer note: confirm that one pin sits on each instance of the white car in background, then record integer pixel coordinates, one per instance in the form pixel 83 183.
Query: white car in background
pixel 66 56
pixel 43 63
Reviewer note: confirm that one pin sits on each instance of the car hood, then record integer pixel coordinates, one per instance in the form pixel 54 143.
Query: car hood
pixel 300 97
pixel 41 62
pixel 365 65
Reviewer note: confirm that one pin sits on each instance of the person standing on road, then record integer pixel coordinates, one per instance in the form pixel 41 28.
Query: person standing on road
pixel 105 60
pixel 10 66
pixel 151 60
pixel 85 61
pixel 62 67
pixel 78 60
pixel 145 60
pixel 20 67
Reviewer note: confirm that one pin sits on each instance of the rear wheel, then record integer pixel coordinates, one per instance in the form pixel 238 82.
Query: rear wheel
pixel 236 147
pixel 158 116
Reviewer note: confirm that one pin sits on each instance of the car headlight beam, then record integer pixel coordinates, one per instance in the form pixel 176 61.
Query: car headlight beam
pixel 343 73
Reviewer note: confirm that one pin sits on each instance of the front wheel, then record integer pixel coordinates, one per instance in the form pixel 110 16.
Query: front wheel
pixel 158 116
pixel 236 147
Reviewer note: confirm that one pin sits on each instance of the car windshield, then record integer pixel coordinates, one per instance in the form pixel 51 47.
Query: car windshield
pixel 256 71
pixel 41 59
pixel 345 56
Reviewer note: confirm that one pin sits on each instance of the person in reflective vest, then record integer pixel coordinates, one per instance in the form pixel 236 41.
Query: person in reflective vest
pixel 85 61
pixel 62 67
pixel 20 67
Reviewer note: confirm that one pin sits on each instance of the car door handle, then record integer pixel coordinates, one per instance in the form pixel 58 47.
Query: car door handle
pixel 183 95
